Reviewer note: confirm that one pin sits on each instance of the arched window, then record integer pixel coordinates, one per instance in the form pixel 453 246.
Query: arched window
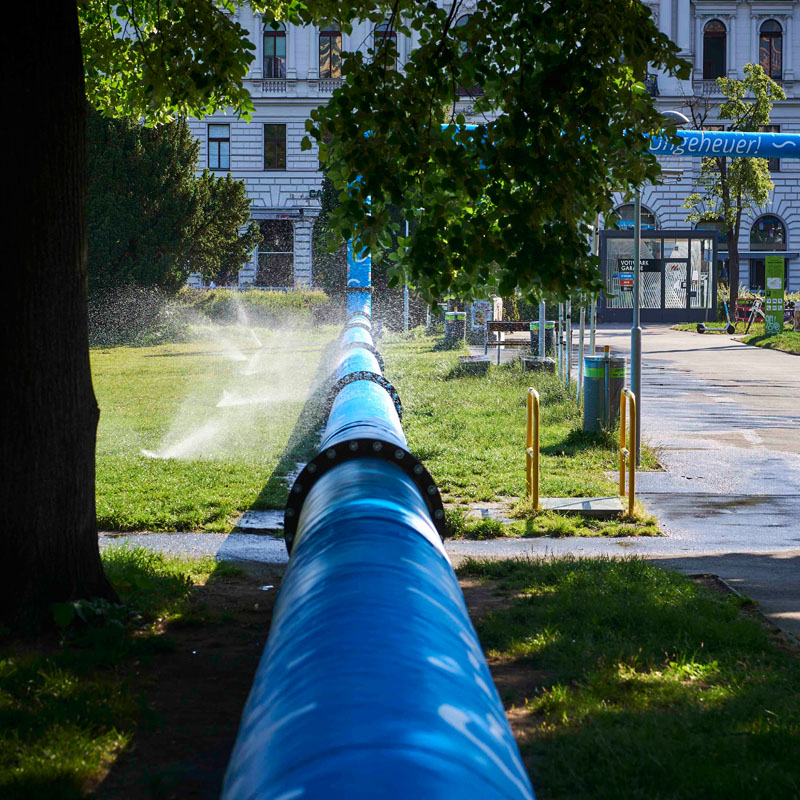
pixel 330 52
pixel 768 233
pixel 625 214
pixel 770 49
pixel 274 50
pixel 714 37
pixel 383 36
pixel 275 253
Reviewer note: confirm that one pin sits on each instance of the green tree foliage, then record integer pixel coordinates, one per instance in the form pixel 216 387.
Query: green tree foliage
pixel 330 265
pixel 151 221
pixel 217 248
pixel 727 189
pixel 508 203
pixel 158 59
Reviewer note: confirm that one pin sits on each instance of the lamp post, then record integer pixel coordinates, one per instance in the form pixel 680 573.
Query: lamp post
pixel 636 329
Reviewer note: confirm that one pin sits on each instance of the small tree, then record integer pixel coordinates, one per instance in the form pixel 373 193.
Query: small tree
pixel 217 249
pixel 151 220
pixel 728 189
pixel 141 203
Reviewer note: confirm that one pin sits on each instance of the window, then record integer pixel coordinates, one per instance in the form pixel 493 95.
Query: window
pixel 330 52
pixel 768 233
pixel 274 50
pixel 625 214
pixel 713 50
pixel 274 146
pixel 385 37
pixel 219 146
pixel 721 230
pixel 774 163
pixel 770 49
pixel 757 271
pixel 275 253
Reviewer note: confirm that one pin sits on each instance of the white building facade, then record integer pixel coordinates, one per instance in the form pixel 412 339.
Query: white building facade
pixel 718 37
pixel 297 69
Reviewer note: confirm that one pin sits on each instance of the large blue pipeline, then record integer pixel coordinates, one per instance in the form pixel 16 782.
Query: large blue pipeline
pixel 373 683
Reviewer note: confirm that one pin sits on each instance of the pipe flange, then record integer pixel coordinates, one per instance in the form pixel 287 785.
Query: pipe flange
pixel 367 346
pixel 358 313
pixel 358 324
pixel 365 375
pixel 350 450
pixel 358 289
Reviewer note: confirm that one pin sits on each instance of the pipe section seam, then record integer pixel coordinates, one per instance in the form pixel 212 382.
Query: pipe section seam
pixel 352 450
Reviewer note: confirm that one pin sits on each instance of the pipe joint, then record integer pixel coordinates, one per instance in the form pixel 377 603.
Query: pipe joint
pixel 363 375
pixel 351 450
pixel 366 346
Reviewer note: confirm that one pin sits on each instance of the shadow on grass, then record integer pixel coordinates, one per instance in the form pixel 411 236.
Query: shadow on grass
pixel 69 705
pixel 302 444
pixel 578 440
pixel 653 685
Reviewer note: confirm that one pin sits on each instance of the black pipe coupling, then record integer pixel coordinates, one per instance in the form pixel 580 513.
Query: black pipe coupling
pixel 364 375
pixel 349 450
pixel 366 346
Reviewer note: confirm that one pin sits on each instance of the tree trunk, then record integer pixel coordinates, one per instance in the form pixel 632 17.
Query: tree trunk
pixel 50 548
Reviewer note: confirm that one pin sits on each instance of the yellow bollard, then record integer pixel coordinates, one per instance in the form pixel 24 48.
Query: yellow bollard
pixel 626 452
pixel 532 448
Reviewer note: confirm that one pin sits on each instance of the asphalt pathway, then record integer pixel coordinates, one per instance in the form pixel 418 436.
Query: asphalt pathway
pixel 725 420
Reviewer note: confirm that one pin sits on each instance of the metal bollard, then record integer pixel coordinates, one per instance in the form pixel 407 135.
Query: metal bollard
pixel 627 453
pixel 532 448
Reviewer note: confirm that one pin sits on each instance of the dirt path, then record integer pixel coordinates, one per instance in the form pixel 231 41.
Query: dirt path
pixel 194 695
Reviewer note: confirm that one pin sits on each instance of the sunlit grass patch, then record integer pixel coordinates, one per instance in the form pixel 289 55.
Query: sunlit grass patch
pixel 657 687
pixel 191 435
pixel 470 430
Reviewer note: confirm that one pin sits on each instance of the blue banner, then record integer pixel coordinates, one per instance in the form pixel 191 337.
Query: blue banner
pixel 702 144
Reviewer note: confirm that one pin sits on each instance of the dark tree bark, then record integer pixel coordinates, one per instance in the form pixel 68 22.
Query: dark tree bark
pixel 50 551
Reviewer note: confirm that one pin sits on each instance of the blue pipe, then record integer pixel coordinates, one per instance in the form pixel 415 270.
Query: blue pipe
pixel 373 683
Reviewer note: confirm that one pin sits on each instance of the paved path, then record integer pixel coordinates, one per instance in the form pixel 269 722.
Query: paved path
pixel 725 418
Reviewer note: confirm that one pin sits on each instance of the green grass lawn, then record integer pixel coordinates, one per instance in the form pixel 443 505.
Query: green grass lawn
pixel 621 680
pixel 470 430
pixel 788 340
pixel 191 435
pixel 638 683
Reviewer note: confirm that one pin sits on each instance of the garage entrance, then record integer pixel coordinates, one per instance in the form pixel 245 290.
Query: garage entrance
pixel 677 274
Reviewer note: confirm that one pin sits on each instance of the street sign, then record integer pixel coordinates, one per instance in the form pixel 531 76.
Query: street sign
pixel 773 305
pixel 645 264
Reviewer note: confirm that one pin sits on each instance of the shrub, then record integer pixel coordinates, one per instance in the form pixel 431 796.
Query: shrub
pixel 225 306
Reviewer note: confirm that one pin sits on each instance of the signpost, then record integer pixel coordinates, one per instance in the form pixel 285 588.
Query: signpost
pixel 773 306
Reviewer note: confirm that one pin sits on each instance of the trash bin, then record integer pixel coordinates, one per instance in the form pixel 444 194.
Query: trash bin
pixel 454 326
pixel 549 338
pixel 603 381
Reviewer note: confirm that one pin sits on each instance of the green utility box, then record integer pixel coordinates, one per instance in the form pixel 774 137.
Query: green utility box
pixel 455 323
pixel 549 338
